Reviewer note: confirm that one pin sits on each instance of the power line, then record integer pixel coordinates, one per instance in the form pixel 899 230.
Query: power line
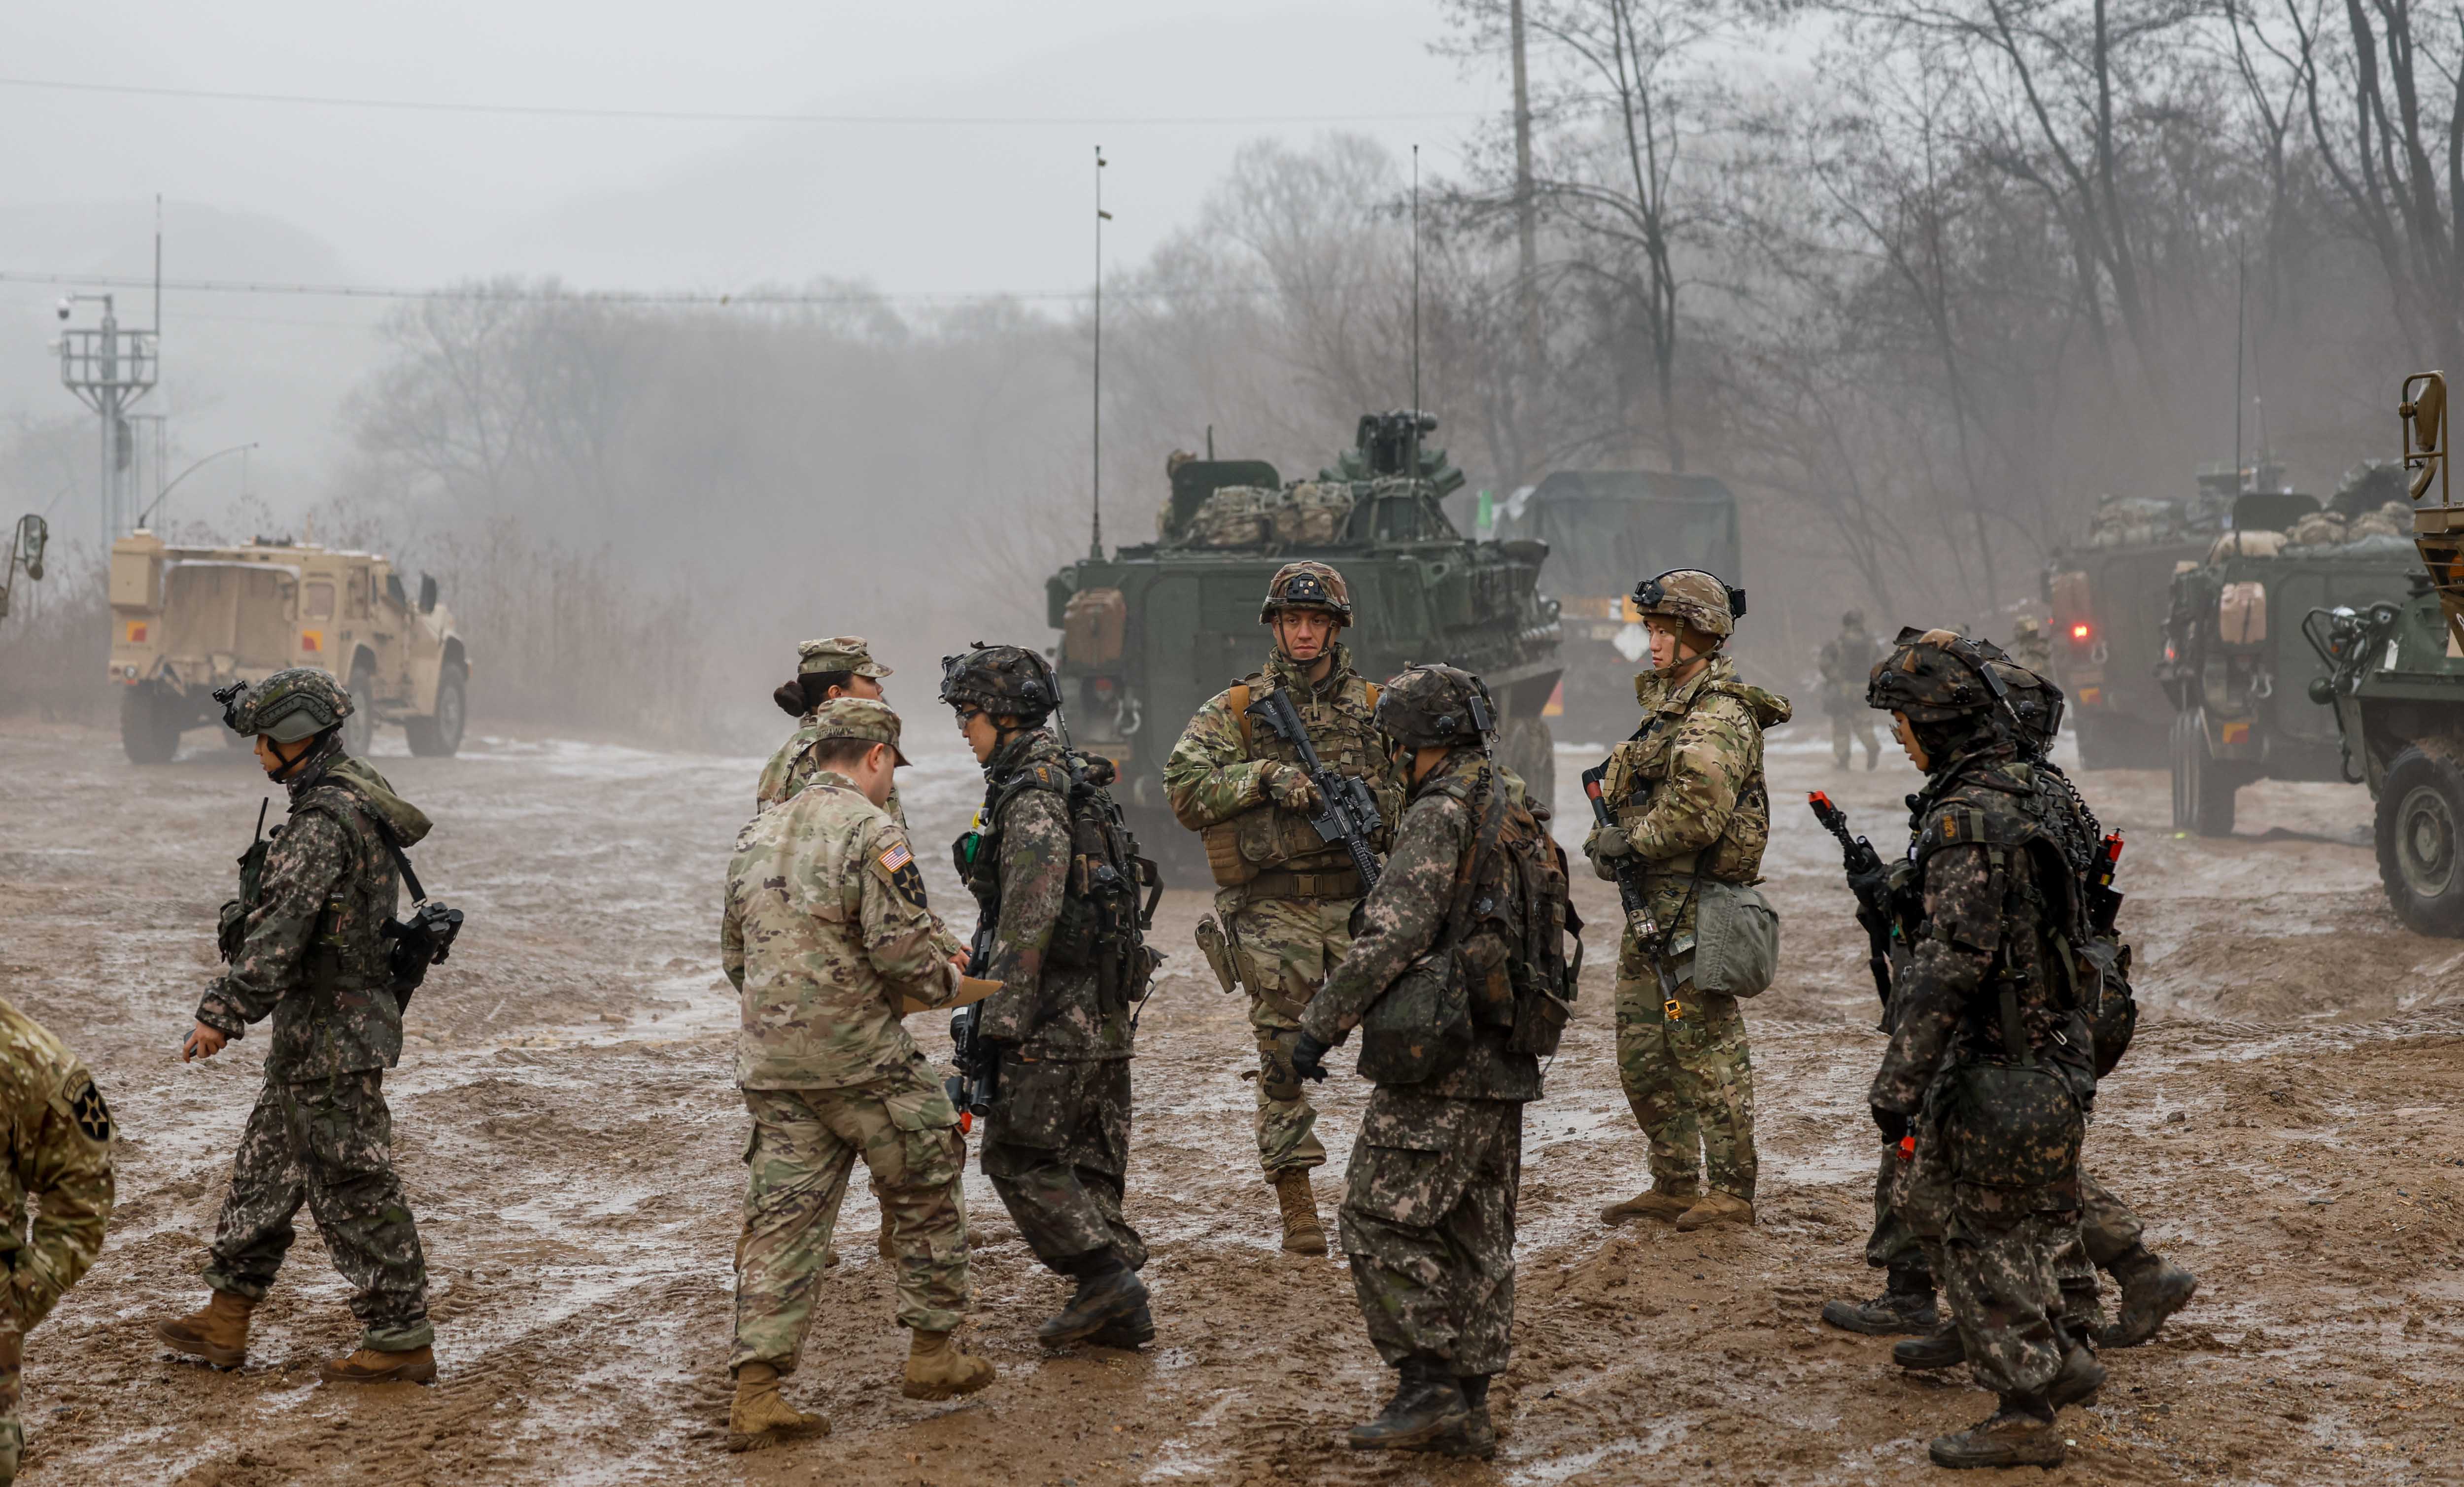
pixel 711 116
pixel 650 299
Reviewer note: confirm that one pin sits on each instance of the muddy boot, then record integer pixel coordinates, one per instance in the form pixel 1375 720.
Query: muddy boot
pixel 217 1333
pixel 1665 1206
pixel 1478 1437
pixel 759 1418
pixel 1427 1408
pixel 1129 1333
pixel 367 1366
pixel 1716 1208
pixel 2081 1376
pixel 1903 1306
pixel 1303 1233
pixel 1109 1292
pixel 938 1369
pixel 2019 1434
pixel 1940 1348
pixel 2151 1291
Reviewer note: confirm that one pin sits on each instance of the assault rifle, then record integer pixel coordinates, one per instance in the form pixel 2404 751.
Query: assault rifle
pixel 2102 901
pixel 1634 899
pixel 971 1089
pixel 1346 812
pixel 1866 880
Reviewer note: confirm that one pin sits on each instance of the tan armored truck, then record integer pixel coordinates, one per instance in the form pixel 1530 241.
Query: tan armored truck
pixel 187 620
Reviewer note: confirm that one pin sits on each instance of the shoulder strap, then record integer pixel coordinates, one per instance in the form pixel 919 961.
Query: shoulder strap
pixel 1238 699
pixel 1490 821
pixel 392 847
pixel 1372 694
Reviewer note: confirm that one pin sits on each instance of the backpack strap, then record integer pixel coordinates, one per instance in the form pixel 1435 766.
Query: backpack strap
pixel 1238 699
pixel 384 834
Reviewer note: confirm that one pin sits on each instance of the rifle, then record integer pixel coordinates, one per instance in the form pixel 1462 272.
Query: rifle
pixel 1632 895
pixel 971 1089
pixel 2102 901
pixel 1346 812
pixel 1865 880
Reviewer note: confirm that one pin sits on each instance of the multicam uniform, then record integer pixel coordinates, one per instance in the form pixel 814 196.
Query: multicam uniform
pixel 311 955
pixel 56 1192
pixel 1688 793
pixel 793 767
pixel 1288 920
pixel 1845 659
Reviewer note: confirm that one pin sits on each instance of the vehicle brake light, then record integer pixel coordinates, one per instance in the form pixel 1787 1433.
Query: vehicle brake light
pixel 2078 632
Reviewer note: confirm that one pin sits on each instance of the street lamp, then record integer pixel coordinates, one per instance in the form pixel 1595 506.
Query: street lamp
pixel 184 473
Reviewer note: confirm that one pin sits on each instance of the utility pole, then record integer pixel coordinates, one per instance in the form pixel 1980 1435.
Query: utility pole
pixel 110 368
pixel 1526 210
pixel 1095 539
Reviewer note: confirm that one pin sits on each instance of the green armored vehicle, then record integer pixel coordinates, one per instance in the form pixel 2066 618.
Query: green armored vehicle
pixel 1155 629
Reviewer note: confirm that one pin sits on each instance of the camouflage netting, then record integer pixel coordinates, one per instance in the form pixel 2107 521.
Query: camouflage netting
pixel 2136 521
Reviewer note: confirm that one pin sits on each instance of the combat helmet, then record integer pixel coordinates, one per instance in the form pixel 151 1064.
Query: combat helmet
pixel 2037 703
pixel 1853 619
pixel 1436 706
pixel 294 703
pixel 1704 601
pixel 1001 679
pixel 1306 585
pixel 1933 676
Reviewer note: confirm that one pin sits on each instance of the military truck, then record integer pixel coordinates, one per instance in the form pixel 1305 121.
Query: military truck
pixel 1154 630
pixel 187 620
pixel 2236 665
pixel 1606 529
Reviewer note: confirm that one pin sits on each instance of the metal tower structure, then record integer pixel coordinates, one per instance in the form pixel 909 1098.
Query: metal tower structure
pixel 110 367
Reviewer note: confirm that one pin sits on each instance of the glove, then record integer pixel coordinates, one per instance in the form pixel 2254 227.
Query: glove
pixel 1893 1125
pixel 1309 1058
pixel 1606 844
pixel 1288 786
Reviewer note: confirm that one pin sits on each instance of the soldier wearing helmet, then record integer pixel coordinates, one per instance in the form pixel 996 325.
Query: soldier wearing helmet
pixel 306 946
pixel 1845 659
pixel 2031 645
pixel 1056 1142
pixel 1688 799
pixel 840 666
pixel 1284 895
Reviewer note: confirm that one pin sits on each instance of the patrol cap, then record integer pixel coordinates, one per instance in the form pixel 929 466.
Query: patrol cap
pixel 839 653
pixel 858 718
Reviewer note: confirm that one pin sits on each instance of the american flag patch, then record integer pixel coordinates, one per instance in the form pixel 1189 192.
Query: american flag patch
pixel 897 857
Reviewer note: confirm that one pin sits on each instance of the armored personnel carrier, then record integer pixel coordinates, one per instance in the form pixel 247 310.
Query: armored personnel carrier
pixel 1154 630
pixel 187 620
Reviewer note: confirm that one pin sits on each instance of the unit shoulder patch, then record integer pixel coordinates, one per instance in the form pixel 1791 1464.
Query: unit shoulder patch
pixel 86 1107
pixel 896 865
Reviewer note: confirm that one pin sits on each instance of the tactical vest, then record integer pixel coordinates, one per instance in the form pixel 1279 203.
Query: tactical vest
pixel 346 951
pixel 1641 764
pixel 1274 849
pixel 1109 902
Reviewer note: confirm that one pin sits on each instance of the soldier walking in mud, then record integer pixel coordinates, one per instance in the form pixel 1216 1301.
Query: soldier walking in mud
pixel 841 666
pixel 1845 659
pixel 1285 895
pixel 1453 1043
pixel 1689 803
pixel 1990 1064
pixel 830 943
pixel 305 944
pixel 1057 1141
pixel 56 1192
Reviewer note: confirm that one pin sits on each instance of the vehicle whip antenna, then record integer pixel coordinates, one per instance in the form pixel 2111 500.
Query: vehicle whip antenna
pixel 1412 469
pixel 1096 542
pixel 2241 297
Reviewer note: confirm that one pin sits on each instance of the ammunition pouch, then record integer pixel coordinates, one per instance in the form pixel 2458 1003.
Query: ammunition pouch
pixel 1736 940
pixel 1421 1028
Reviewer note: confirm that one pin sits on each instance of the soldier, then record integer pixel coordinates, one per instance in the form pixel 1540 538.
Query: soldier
pixel 1285 895
pixel 1990 1064
pixel 1057 1140
pixel 842 666
pixel 1846 660
pixel 2031 646
pixel 306 943
pixel 1428 1210
pixel 59 1157
pixel 828 941
pixel 1689 801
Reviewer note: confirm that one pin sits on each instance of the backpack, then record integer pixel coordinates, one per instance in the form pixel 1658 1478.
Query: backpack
pixel 1104 921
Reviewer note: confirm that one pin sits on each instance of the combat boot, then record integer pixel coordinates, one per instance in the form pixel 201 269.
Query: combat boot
pixel 1478 1437
pixel 217 1332
pixel 1940 1348
pixel 1427 1408
pixel 1662 1204
pixel 367 1366
pixel 1303 1233
pixel 1128 1333
pixel 2020 1434
pixel 2081 1376
pixel 1109 1292
pixel 759 1418
pixel 937 1368
pixel 1716 1208
pixel 1902 1308
pixel 2151 1291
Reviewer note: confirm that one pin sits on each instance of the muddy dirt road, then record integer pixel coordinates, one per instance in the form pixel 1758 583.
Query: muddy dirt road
pixel 2292 1123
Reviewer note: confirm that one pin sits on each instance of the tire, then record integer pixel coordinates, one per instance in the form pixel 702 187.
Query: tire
pixel 2203 785
pixel 361 725
pixel 2420 832
pixel 1530 753
pixel 150 726
pixel 439 734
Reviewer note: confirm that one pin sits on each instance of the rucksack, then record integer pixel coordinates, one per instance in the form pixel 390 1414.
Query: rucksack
pixel 1109 901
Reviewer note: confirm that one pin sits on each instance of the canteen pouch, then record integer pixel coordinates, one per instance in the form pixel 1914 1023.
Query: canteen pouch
pixel 1736 940
pixel 1420 1028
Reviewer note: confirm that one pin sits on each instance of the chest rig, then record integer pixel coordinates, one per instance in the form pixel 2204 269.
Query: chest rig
pixel 1275 851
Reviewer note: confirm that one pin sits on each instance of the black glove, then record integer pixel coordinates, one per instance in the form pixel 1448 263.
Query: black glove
pixel 1893 1125
pixel 1309 1058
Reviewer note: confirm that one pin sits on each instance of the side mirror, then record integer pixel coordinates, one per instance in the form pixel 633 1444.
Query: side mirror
pixel 393 591
pixel 426 593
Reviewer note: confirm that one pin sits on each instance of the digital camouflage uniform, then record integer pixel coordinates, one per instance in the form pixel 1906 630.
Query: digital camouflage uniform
pixel 1057 1142
pixel 312 957
pixel 56 1192
pixel 1289 923
pixel 1845 659
pixel 826 932
pixel 1688 793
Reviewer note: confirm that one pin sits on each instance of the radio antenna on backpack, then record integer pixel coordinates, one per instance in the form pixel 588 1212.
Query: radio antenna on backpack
pixel 1096 541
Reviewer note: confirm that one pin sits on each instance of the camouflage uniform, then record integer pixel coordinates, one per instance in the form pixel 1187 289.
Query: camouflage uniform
pixel 1688 793
pixel 792 767
pixel 1290 922
pixel 59 1167
pixel 825 934
pixel 2032 647
pixel 1846 660
pixel 1057 1142
pixel 311 955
